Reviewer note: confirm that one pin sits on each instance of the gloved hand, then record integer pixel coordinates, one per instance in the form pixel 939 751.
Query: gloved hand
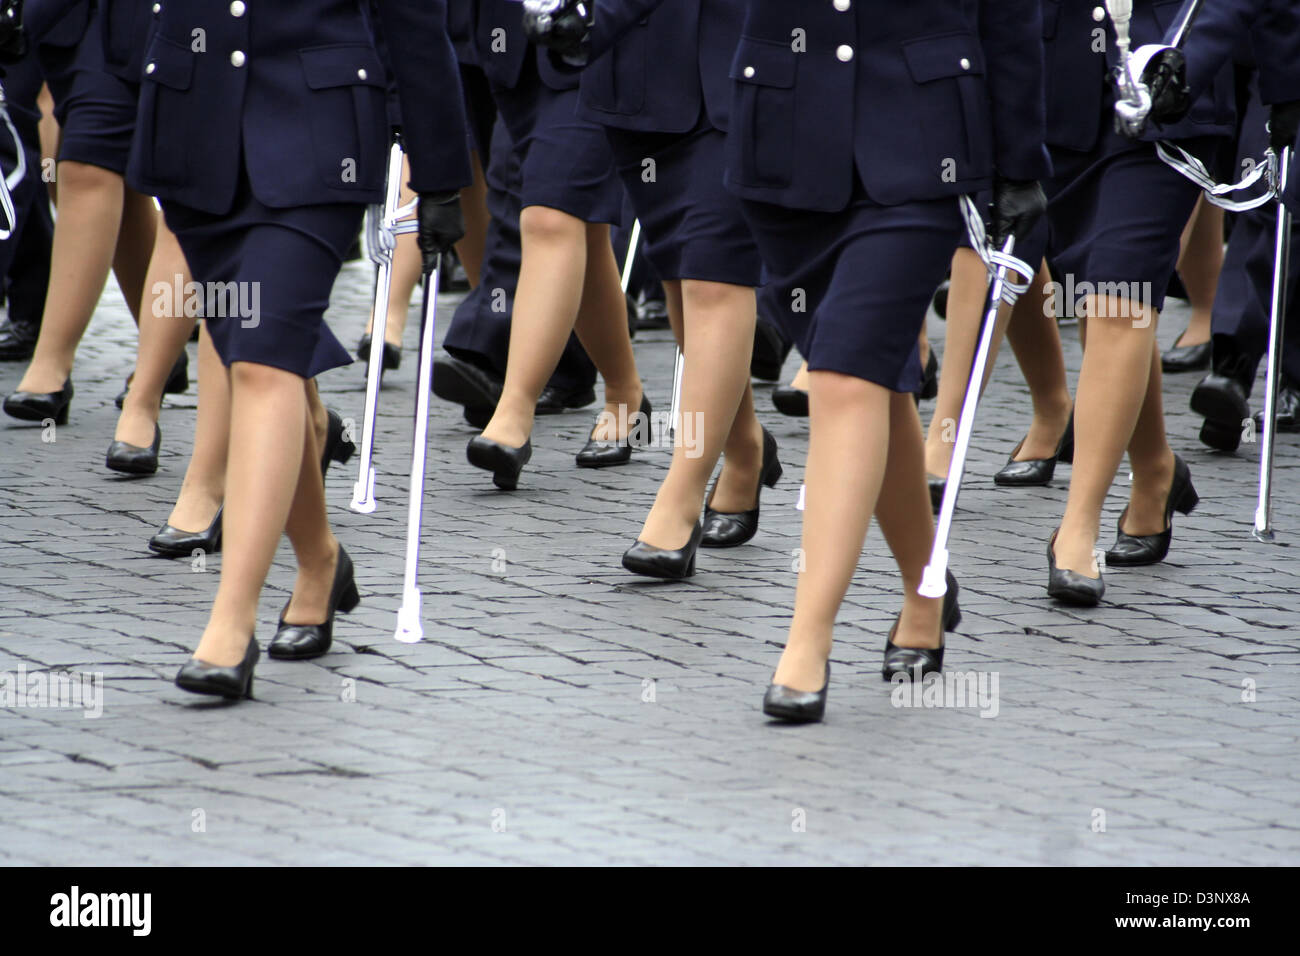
pixel 440 225
pixel 13 40
pixel 563 26
pixel 1283 125
pixel 1162 70
pixel 1017 204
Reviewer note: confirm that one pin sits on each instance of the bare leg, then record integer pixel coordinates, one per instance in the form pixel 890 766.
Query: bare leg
pixel 135 244
pixel 800 380
pixel 1035 338
pixel 314 545
pixel 1199 267
pixel 164 330
pixel 204 487
pixel 1152 460
pixel 473 205
pixel 601 325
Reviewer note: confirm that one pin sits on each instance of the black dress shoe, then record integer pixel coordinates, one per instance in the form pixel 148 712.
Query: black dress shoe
pixel 937 488
pixel 178 380
pixel 38 406
pixel 600 453
pixel 556 401
pixel 1221 398
pixel 338 446
pixel 392 353
pixel 728 529
pixel 504 462
pixel 929 660
pixel 464 383
pixel 770 350
pixel 1036 471
pixel 1185 358
pixel 132 459
pixel 1219 436
pixel 671 563
pixel 940 300
pixel 172 542
pixel 790 401
pixel 929 379
pixel 235 683
pixel 299 642
pixel 797 706
pixel 1071 587
pixel 478 417
pixel 1131 550
pixel 1288 409
pixel 18 339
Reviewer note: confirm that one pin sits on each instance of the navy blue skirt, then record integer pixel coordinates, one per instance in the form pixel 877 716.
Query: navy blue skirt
pixel 564 163
pixel 266 276
pixel 851 288
pixel 691 227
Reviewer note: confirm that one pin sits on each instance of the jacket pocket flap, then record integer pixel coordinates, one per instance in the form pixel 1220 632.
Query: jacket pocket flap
pixel 350 64
pixel 764 62
pixel 934 58
pixel 169 63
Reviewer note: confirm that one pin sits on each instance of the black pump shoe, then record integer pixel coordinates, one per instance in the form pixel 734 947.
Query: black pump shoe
pixel 392 353
pixel 38 406
pixel 1130 550
pixel 929 380
pixel 1037 471
pixel 178 379
pixel 906 660
pixel 132 459
pixel 727 530
pixel 299 642
pixel 671 563
pixel 790 401
pixel 601 453
pixel 172 542
pixel 504 462
pixel 199 677
pixel 1185 358
pixel 797 706
pixel 937 487
pixel 1071 587
pixel 338 446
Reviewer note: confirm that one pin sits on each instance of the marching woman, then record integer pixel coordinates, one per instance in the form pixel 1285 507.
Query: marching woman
pixel 854 128
pixel 568 277
pixel 662 94
pixel 264 149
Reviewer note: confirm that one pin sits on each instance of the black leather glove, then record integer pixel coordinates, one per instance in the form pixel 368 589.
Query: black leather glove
pixel 1283 125
pixel 1017 204
pixel 13 41
pixel 440 225
pixel 562 26
pixel 1165 75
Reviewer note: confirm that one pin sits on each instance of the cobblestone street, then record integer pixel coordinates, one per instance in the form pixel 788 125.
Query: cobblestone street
pixel 562 711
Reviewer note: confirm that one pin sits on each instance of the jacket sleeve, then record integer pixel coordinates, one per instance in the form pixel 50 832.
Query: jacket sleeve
pixel 613 18
pixel 41 16
pixel 1011 33
pixel 1276 42
pixel 428 88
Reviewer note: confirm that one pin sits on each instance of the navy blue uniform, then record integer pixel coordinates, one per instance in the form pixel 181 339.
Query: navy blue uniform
pixel 25 255
pixel 854 127
pixel 564 161
pixel 662 93
pixel 264 133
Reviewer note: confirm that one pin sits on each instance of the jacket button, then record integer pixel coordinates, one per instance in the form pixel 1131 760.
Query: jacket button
pixel 841 5
pixel 1098 14
pixel 965 63
pixel 157 8
pixel 844 53
pixel 237 58
pixel 237 8
pixel 361 74
pixel 749 72
pixel 150 67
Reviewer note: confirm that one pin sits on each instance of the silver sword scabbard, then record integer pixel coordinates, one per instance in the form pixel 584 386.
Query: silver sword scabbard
pixel 1263 529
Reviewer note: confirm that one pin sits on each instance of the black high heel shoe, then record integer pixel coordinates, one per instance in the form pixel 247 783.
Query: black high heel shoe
pixel 671 563
pixel 1135 550
pixel 790 401
pixel 338 446
pixel 178 379
pixel 132 459
pixel 172 542
pixel 1071 587
pixel 1037 471
pixel 299 642
pixel 937 486
pixel 906 660
pixel 38 406
pixel 504 462
pixel 601 453
pixel 797 706
pixel 929 380
pixel 200 677
pixel 728 529
pixel 392 353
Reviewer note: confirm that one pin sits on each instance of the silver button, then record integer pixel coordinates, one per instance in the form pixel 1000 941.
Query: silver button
pixel 149 68
pixel 841 5
pixel 965 63
pixel 361 74
pixel 157 8
pixel 1098 14
pixel 749 72
pixel 237 8
pixel 237 58
pixel 844 53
